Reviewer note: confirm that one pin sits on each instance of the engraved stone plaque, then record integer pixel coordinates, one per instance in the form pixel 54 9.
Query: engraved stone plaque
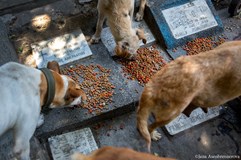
pixel 183 122
pixel 109 42
pixel 63 49
pixel 189 18
pixel 63 146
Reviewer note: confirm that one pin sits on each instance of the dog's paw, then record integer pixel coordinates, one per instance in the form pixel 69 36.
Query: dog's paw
pixel 40 120
pixel 139 16
pixel 94 40
pixel 155 135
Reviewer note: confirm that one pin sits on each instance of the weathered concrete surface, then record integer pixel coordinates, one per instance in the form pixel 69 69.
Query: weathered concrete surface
pixel 37 151
pixel 7 52
pixel 9 3
pixel 220 136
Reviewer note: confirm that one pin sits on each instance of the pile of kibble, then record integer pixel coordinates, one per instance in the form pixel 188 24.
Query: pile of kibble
pixel 148 62
pixel 199 45
pixel 94 81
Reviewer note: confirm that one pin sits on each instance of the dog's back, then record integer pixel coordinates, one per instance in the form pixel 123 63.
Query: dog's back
pixel 207 80
pixel 114 153
pixel 14 80
pixel 219 75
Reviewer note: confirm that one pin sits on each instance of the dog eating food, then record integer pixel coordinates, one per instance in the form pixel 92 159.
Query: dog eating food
pixel 24 91
pixel 119 18
pixel 94 80
pixel 207 79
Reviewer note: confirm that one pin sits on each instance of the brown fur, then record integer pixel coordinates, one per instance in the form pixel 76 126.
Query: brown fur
pixel 119 17
pixel 61 97
pixel 208 79
pixel 114 153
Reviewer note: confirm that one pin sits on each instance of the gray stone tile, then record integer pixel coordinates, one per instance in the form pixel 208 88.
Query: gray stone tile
pixel 63 49
pixel 64 145
pixel 183 122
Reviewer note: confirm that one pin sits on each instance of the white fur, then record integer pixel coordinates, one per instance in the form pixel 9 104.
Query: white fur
pixel 20 104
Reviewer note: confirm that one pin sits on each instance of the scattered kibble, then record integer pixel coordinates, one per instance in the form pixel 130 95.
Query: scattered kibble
pixel 148 62
pixel 94 80
pixel 199 45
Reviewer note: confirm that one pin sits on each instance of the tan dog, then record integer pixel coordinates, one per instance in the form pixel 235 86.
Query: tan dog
pixel 24 91
pixel 119 17
pixel 114 153
pixel 207 79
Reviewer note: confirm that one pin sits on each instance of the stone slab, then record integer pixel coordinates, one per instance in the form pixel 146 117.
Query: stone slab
pixel 64 145
pixel 71 118
pixel 125 98
pixel 10 3
pixel 232 27
pixel 179 21
pixel 7 52
pixel 63 49
pixel 109 42
pixel 218 136
pixel 183 122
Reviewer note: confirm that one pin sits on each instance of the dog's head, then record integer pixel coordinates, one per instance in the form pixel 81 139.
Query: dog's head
pixel 67 91
pixel 128 46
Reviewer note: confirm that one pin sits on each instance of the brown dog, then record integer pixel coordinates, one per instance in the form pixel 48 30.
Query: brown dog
pixel 119 17
pixel 114 153
pixel 207 79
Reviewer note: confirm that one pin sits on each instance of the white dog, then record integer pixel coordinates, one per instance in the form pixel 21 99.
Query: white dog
pixel 24 91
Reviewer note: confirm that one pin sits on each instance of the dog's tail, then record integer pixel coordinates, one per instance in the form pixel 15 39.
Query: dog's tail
pixel 142 125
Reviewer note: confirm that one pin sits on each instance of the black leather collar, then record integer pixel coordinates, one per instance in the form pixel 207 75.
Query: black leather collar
pixel 50 86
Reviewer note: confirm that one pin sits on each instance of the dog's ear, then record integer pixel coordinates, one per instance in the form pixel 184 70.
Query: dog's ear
pixel 53 65
pixel 141 35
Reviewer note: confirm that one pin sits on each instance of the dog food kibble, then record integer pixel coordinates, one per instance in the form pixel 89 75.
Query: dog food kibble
pixel 94 80
pixel 148 61
pixel 202 44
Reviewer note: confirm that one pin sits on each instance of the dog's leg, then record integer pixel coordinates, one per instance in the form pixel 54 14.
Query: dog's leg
pixel 159 123
pixel 131 12
pixel 140 13
pixel 96 37
pixel 23 132
pixel 143 113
